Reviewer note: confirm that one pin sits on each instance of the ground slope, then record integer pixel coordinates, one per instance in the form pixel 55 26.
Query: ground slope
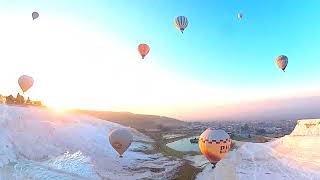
pixel 295 156
pixel 39 144
pixel 137 121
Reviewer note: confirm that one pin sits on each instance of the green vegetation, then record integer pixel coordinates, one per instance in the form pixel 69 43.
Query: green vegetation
pixel 186 171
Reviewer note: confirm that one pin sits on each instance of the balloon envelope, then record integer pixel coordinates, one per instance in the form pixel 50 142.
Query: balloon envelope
pixel 282 62
pixel 214 144
pixel 35 15
pixel 120 140
pixel 25 82
pixel 181 23
pixel 143 50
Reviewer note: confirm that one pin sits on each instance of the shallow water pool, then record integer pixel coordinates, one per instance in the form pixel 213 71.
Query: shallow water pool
pixel 184 145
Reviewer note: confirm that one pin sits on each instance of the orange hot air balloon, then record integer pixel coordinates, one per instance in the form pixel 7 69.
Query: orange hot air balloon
pixel 25 82
pixel 282 62
pixel 143 50
pixel 214 144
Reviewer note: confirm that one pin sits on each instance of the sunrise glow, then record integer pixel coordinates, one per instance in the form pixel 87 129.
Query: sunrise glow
pixel 93 63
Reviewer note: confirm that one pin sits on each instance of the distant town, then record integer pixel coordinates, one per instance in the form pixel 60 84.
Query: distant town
pixel 245 130
pixel 160 126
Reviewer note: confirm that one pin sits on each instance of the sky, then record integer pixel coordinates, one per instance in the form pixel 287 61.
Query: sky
pixel 83 54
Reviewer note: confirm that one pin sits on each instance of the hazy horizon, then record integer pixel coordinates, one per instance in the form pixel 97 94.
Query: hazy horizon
pixel 293 108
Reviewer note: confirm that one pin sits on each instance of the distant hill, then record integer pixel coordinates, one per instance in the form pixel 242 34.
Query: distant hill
pixel 137 121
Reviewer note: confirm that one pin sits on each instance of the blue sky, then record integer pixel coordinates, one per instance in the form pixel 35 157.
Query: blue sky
pixel 216 44
pixel 216 49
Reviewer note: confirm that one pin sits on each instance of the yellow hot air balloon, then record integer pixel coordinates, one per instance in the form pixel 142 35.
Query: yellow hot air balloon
pixel 181 23
pixel 214 144
pixel 143 50
pixel 120 140
pixel 282 62
pixel 25 82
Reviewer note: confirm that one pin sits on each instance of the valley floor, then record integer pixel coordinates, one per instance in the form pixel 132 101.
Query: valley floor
pixel 39 144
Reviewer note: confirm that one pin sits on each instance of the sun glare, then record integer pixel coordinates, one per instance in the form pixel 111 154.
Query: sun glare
pixel 75 66
pixel 57 109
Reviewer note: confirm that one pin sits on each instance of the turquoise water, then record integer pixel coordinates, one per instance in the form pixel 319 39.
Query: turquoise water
pixel 184 145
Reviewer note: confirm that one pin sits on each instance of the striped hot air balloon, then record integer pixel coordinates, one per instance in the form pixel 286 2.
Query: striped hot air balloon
pixel 282 62
pixel 214 144
pixel 181 23
pixel 143 50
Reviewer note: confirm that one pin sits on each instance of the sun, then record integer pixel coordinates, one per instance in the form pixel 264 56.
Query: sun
pixel 57 109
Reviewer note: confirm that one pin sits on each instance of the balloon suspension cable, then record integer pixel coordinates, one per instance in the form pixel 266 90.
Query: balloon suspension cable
pixel 204 164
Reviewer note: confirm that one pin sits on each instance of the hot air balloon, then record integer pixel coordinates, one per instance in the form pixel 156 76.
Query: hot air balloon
pixel 25 82
pixel 35 15
pixel 214 144
pixel 282 62
pixel 181 23
pixel 143 50
pixel 120 139
pixel 240 16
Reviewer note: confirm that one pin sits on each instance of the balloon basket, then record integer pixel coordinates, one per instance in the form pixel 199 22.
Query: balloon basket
pixel 213 165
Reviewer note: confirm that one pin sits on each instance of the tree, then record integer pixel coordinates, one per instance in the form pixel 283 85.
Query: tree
pixel 10 99
pixel 18 99
pixel 22 100
pixel 245 128
pixel 28 101
pixel 232 135
pixel 261 131
pixel 162 127
pixel 37 103
pixel 2 99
